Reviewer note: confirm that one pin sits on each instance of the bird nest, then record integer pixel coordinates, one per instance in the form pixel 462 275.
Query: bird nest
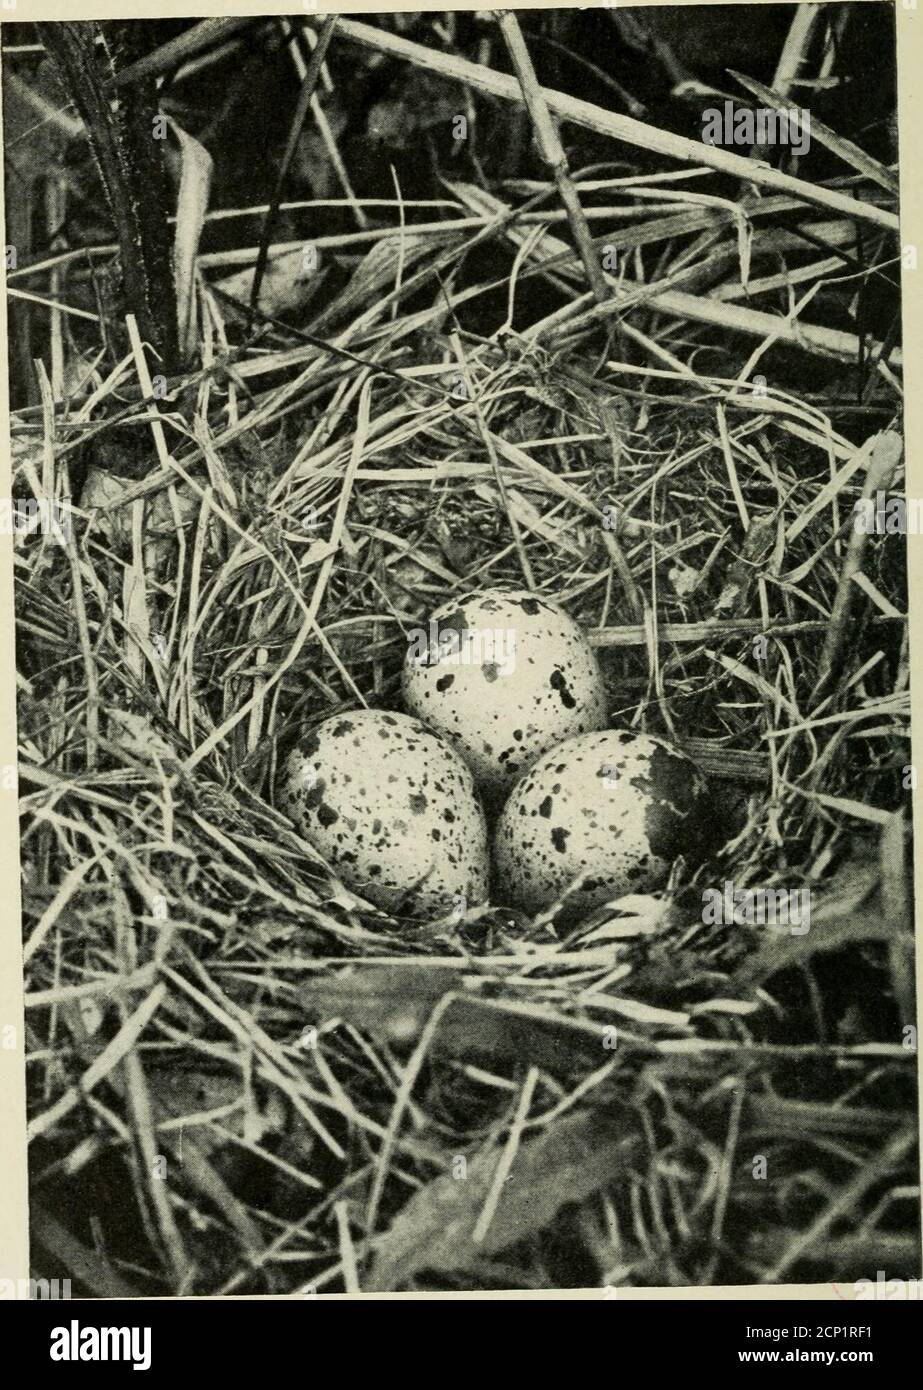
pixel 289 1089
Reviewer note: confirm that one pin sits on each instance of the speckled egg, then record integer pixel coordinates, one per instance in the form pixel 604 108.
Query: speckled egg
pixel 615 808
pixel 393 811
pixel 504 676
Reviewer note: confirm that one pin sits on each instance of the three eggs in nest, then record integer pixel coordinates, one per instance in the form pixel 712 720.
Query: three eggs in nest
pixel 506 709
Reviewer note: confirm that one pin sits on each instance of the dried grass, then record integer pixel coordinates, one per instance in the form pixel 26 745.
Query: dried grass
pixel 239 1074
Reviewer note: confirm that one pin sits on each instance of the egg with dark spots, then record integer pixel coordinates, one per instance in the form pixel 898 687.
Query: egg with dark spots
pixel 504 675
pixel 602 814
pixel 412 839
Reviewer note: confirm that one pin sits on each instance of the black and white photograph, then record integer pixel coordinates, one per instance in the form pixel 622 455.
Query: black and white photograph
pixel 459 532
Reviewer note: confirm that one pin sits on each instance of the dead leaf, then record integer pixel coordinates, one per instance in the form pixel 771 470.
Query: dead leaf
pixel 850 911
pixel 393 1002
pixel 290 281
pixel 378 270
pixel 390 1001
pixel 191 207
pixel 753 553
pixel 566 1163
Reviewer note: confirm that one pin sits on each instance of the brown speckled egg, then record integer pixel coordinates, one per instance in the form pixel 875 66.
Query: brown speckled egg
pixel 504 676
pixel 393 811
pixel 615 808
